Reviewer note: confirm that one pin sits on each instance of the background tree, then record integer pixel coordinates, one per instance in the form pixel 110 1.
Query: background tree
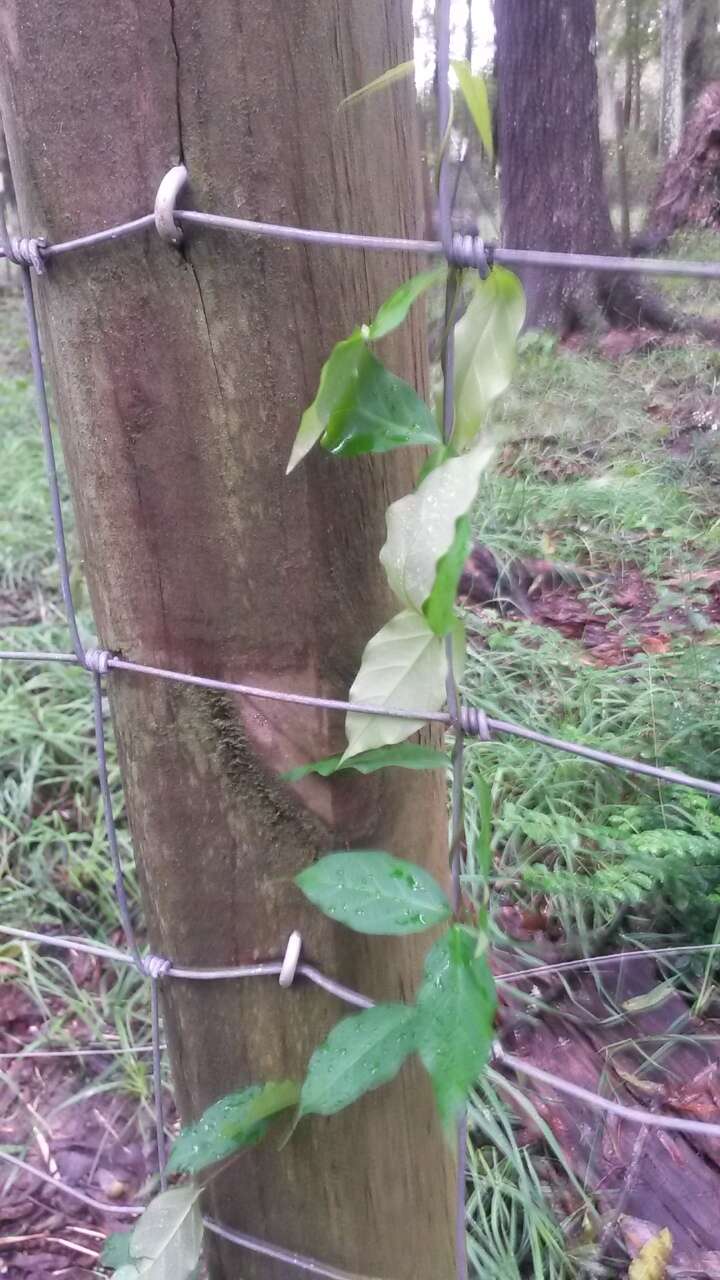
pixel 549 143
pixel 701 57
pixel 671 98
pixel 179 379
pixel 551 166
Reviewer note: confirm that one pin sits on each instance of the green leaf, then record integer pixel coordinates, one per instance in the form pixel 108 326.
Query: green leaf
pixel 422 526
pixel 403 666
pixel 459 647
pixel 116 1250
pixel 394 310
pixel 336 375
pixel 391 76
pixel 325 767
pixel 651 999
pixel 129 1271
pixel 236 1121
pixel 456 1008
pixel 405 755
pixel 374 892
pixel 167 1239
pixel 474 91
pixel 361 1052
pixel 485 348
pixel 439 608
pixel 377 411
pixel 436 459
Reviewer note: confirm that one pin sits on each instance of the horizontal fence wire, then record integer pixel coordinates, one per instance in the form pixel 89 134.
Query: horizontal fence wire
pixel 470 724
pixel 466 251
pixel 273 968
pixel 94 1051
pixel 460 250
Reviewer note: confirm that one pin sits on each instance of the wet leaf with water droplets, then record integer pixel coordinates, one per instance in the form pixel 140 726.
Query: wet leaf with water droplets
pixel 336 376
pixel 377 411
pixel 456 1009
pixel 422 529
pixel 374 892
pixel 233 1122
pixel 361 1052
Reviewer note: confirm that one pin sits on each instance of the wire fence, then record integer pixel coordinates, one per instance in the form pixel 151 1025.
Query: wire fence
pixel 32 255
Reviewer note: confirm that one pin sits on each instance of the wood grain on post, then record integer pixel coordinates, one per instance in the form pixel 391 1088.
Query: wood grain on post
pixel 179 378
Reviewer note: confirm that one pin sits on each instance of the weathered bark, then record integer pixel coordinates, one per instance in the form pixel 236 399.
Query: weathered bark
pixel 671 95
pixel 179 379
pixel 688 192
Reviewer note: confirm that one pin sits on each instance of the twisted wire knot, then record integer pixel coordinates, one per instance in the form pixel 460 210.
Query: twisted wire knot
pixel 27 251
pixel 471 251
pixel 474 721
pixel 97 660
pixel 156 966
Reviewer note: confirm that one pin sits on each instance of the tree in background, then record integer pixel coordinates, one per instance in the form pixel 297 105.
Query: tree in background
pixel 671 96
pixel 551 166
pixel 552 184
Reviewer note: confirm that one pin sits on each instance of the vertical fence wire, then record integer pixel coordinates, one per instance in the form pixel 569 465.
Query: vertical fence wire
pixel 43 412
pixel 447 361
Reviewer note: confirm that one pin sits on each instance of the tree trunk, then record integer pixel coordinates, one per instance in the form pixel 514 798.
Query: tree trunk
pixel 551 176
pixel 179 380
pixel 700 57
pixel 671 96
pixel 631 101
pixel 552 190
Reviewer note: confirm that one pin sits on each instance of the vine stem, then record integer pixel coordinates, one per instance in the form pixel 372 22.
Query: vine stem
pixel 447 361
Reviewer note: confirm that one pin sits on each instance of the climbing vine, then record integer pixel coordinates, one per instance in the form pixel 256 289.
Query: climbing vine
pixel 361 407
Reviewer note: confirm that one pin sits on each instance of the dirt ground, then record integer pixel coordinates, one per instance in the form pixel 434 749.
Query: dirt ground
pixel 55 1110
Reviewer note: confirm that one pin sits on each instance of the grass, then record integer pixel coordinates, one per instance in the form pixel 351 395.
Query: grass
pixel 54 867
pixel 591 476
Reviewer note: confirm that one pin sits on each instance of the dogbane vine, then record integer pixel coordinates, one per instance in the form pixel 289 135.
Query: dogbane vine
pixel 361 407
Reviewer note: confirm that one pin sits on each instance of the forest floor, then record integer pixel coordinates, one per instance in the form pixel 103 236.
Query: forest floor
pixel 603 624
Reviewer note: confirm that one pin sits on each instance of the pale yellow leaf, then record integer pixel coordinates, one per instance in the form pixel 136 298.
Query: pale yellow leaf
pixel 652 1260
